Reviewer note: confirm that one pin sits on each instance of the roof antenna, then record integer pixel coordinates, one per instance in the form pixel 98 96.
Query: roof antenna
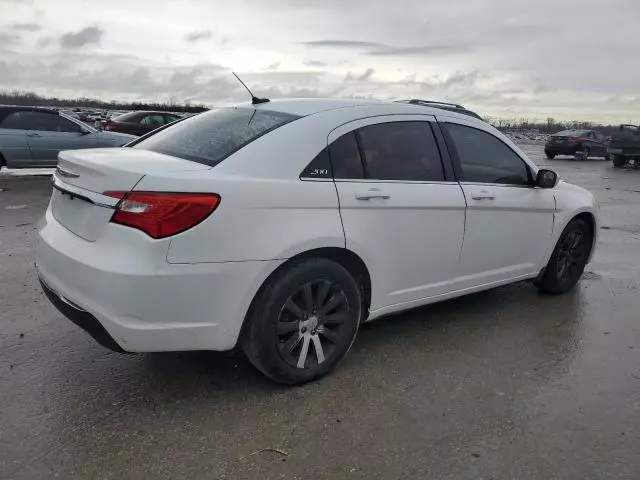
pixel 254 100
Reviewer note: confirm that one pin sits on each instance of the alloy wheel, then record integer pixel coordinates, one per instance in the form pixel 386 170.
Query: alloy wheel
pixel 571 255
pixel 311 322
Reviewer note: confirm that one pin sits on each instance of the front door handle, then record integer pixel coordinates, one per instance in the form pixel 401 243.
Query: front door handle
pixel 371 194
pixel 33 134
pixel 482 196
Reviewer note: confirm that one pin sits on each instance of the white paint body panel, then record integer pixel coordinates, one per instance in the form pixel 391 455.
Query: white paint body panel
pixel 425 243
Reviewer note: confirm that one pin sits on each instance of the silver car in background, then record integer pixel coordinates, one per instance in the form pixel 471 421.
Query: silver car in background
pixel 33 137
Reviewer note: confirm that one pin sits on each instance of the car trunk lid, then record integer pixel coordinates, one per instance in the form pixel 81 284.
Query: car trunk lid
pixel 78 201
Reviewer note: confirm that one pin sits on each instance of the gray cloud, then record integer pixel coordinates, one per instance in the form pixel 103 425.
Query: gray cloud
pixel 380 49
pixel 273 66
pixel 198 35
pixel 26 27
pixel 86 36
pixel 9 38
pixel 314 63
pixel 363 77
pixel 344 44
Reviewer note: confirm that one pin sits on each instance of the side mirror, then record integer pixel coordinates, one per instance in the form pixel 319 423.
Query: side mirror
pixel 546 178
pixel 84 131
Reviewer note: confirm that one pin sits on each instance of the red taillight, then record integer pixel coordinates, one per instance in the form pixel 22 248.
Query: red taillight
pixel 163 214
pixel 109 127
pixel 575 139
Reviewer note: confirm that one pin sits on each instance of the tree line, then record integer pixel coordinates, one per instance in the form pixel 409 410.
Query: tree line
pixel 31 99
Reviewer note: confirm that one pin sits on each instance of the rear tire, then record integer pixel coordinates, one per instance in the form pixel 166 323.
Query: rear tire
pixel 2 162
pixel 568 259
pixel 619 161
pixel 304 321
pixel 550 156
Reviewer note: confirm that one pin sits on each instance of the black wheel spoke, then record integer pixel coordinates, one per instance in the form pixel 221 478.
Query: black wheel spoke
pixel 294 308
pixel 323 290
pixel 330 335
pixel 285 328
pixel 335 318
pixel 291 343
pixel 308 297
pixel 333 302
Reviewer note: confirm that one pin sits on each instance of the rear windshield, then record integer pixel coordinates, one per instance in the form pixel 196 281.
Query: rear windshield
pixel 569 133
pixel 212 136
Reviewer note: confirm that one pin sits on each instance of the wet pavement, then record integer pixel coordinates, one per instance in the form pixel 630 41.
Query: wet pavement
pixel 505 384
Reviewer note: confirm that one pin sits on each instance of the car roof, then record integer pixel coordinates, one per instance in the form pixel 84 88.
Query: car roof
pixel 310 106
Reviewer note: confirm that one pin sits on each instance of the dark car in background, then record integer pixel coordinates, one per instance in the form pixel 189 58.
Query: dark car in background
pixel 33 137
pixel 588 143
pixel 139 123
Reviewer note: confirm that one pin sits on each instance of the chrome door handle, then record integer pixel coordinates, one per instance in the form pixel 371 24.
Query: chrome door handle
pixel 483 196
pixel 33 135
pixel 371 194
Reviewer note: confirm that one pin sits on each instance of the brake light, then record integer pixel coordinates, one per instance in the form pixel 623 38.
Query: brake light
pixel 162 214
pixel 575 139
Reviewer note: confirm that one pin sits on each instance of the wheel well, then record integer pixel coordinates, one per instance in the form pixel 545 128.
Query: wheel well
pixel 349 260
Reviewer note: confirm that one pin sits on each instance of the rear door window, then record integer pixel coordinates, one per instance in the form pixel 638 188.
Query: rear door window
pixel 401 151
pixel 210 137
pixel 345 157
pixel 16 121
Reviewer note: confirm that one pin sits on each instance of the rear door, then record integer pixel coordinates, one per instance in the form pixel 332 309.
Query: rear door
pixel 509 221
pixel 401 212
pixel 50 133
pixel 13 139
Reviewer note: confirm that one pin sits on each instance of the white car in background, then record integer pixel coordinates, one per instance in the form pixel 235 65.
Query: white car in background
pixel 285 225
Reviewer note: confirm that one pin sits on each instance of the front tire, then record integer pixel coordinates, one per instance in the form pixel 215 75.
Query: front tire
pixel 549 155
pixel 304 321
pixel 568 259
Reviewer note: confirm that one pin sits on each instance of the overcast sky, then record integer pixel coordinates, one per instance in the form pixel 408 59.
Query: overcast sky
pixel 569 59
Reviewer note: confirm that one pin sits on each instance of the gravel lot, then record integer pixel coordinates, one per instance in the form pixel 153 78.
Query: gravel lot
pixel 506 384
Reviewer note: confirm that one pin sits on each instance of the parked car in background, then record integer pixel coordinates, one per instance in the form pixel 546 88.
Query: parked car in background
pixel 139 123
pixel 587 143
pixel 31 137
pixel 282 226
pixel 624 146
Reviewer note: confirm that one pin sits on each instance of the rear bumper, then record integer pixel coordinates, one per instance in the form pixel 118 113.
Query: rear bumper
pixel 134 301
pixel 81 318
pixel 561 149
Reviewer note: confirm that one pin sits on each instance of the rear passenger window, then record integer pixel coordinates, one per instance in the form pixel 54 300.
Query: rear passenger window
pixel 401 151
pixel 345 157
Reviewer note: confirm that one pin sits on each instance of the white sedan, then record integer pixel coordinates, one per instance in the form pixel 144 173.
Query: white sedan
pixel 283 226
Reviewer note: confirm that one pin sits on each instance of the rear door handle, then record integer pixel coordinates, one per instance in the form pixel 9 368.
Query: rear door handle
pixel 371 194
pixel 33 134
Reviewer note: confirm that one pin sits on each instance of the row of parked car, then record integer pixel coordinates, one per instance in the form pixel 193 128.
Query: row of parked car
pixel 33 137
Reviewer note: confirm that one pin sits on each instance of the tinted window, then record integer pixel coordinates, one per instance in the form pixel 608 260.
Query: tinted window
pixel 16 121
pixel 486 159
pixel 345 157
pixel 212 136
pixel 43 122
pixel 131 117
pixel 320 167
pixel 153 120
pixel 401 151
pixel 171 118
pixel 570 133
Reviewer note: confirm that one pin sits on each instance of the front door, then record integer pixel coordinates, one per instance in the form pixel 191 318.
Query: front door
pixel 509 221
pixel 400 213
pixel 50 133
